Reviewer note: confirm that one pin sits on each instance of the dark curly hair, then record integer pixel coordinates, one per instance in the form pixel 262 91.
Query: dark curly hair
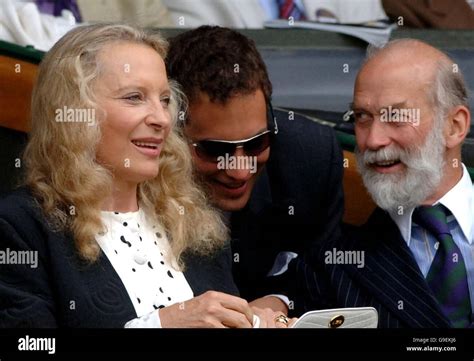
pixel 206 59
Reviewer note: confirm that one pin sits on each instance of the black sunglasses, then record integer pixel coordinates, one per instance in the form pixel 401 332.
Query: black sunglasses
pixel 211 149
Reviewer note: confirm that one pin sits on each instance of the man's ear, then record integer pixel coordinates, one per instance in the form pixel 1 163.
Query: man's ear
pixel 458 125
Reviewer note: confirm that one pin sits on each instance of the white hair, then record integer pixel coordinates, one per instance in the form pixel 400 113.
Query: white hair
pixel 448 88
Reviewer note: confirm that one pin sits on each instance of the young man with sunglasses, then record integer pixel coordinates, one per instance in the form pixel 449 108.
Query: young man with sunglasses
pixel 293 198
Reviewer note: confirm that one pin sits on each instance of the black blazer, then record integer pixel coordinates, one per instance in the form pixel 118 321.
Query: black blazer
pixel 390 280
pixel 64 291
pixel 297 201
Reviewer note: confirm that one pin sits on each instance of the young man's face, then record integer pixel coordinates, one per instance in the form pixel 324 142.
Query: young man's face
pixel 241 117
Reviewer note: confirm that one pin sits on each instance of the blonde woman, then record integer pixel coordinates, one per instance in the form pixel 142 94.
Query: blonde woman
pixel 109 229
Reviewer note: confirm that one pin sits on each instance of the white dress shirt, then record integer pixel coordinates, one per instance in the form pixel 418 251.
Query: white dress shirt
pixel 22 23
pixel 460 202
pixel 272 10
pixel 138 250
pixel 229 13
pixel 354 11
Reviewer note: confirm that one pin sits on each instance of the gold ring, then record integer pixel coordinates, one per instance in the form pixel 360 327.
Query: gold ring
pixel 282 319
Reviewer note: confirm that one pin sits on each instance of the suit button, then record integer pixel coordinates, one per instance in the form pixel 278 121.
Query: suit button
pixel 336 321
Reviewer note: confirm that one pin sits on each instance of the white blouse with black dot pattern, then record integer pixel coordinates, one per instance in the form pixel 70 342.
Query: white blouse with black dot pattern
pixel 137 248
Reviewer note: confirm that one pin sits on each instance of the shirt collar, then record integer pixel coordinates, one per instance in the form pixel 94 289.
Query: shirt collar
pixel 460 202
pixel 402 219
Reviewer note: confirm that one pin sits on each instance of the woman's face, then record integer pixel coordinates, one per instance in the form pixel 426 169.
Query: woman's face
pixel 133 94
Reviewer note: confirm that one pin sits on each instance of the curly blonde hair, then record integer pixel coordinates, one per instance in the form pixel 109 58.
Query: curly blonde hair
pixel 60 158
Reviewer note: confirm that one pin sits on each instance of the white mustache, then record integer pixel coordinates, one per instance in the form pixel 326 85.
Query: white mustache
pixel 389 153
pixel 424 164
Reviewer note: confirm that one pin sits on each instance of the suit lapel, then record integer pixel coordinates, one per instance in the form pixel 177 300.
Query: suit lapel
pixel 256 236
pixel 392 275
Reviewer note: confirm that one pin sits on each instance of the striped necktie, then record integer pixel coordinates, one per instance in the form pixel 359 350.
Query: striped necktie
pixel 288 9
pixel 447 276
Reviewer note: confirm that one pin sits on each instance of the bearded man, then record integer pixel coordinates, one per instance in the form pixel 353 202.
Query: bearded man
pixel 414 259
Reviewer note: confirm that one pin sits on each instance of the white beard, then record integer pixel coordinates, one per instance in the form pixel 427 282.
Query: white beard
pixel 409 188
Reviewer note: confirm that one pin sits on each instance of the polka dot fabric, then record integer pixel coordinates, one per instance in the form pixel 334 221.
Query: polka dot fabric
pixel 137 248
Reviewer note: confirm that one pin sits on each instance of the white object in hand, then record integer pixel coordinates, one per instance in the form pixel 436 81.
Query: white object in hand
pixel 256 321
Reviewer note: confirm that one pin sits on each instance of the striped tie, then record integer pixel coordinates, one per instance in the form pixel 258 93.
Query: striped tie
pixel 447 276
pixel 288 9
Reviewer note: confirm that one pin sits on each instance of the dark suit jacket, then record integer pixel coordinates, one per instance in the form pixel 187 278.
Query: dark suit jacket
pixel 298 200
pixel 63 291
pixel 390 280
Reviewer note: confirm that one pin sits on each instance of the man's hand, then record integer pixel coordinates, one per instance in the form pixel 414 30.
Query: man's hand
pixel 211 309
pixel 268 309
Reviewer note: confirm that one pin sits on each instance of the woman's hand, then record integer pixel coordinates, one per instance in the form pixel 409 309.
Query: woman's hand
pixel 211 309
